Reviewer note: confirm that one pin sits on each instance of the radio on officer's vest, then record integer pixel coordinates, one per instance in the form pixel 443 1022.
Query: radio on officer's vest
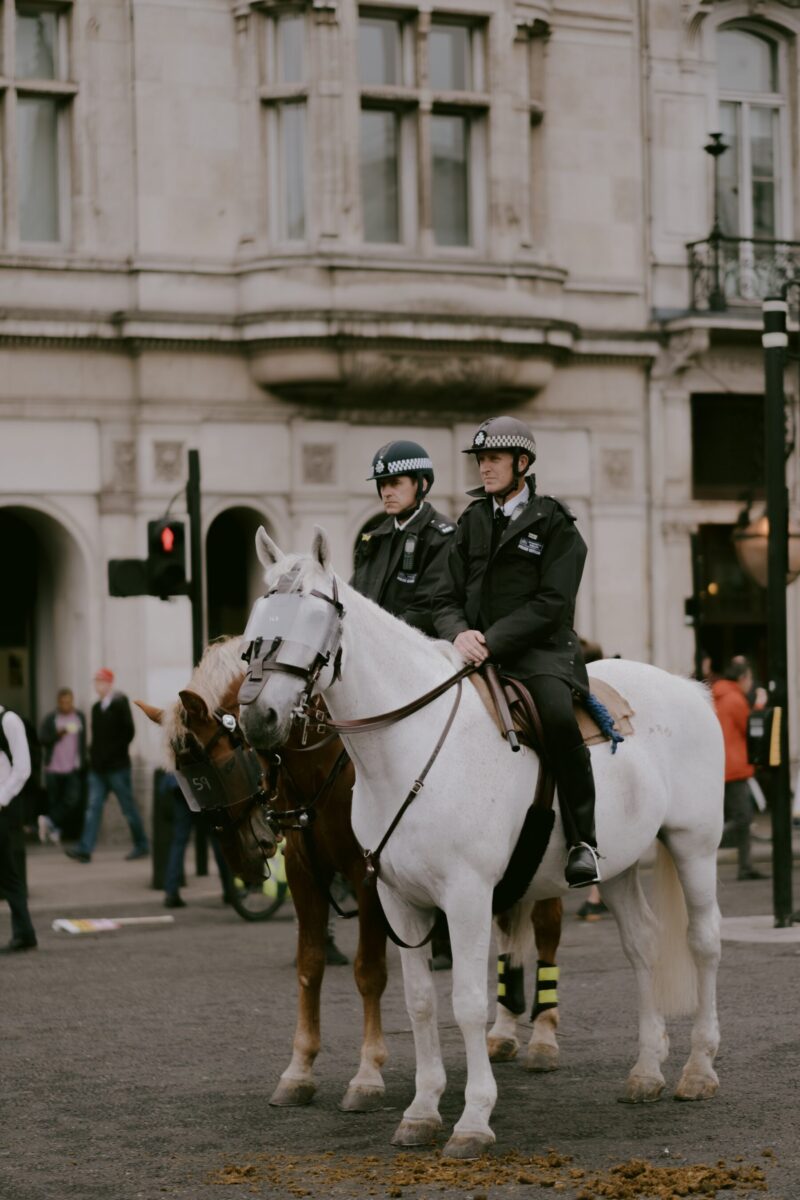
pixel 764 737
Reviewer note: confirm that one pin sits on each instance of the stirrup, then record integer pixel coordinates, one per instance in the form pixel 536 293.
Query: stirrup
pixel 596 877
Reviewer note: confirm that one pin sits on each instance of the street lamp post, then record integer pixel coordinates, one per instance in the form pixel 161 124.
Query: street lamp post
pixel 716 299
pixel 775 342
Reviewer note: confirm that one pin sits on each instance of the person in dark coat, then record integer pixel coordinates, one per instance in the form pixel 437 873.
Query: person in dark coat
pixel 110 769
pixel 399 564
pixel 508 593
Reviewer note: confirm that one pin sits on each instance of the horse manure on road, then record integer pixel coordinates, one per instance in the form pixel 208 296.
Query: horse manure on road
pixel 413 1175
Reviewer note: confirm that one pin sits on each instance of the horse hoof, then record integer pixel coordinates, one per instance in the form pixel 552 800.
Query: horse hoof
pixel 293 1093
pixel 642 1089
pixel 502 1049
pixel 697 1087
pixel 467 1145
pixel 362 1099
pixel 541 1057
pixel 412 1132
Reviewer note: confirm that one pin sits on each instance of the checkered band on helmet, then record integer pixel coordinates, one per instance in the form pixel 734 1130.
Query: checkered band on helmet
pixel 503 433
pixel 402 458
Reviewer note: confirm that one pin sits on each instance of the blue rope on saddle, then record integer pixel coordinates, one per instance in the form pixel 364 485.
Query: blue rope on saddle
pixel 605 722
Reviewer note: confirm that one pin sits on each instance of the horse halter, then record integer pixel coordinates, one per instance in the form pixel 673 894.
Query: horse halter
pixel 293 632
pixel 210 787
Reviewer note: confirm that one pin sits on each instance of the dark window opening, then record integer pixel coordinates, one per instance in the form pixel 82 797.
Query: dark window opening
pixel 727 446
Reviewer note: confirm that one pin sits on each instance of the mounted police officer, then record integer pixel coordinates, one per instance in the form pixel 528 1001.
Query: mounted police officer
pixel 399 564
pixel 509 592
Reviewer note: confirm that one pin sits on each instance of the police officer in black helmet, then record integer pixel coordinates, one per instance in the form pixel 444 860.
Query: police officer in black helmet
pixel 508 594
pixel 399 564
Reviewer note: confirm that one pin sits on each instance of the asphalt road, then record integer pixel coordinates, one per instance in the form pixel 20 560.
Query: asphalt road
pixel 138 1063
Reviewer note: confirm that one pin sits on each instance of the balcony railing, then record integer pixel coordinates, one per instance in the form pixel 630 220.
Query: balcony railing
pixel 729 272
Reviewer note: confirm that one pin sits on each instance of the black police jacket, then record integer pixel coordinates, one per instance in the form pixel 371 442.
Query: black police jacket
pixel 521 595
pixel 401 569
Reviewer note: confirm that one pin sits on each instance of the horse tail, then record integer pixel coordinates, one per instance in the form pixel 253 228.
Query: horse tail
pixel 517 935
pixel 675 975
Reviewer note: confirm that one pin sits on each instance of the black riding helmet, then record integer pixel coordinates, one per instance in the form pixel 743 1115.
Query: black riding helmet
pixel 403 458
pixel 505 433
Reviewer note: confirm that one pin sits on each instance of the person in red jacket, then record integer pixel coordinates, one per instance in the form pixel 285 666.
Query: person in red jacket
pixel 733 708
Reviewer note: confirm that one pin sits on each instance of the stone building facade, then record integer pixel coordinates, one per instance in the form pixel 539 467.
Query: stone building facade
pixel 283 234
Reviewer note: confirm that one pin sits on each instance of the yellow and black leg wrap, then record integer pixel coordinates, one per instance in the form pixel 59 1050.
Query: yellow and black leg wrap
pixel 546 988
pixel 510 985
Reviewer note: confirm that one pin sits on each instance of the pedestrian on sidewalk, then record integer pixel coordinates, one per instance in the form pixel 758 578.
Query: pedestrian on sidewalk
pixel 110 769
pixel 15 769
pixel 63 740
pixel 733 708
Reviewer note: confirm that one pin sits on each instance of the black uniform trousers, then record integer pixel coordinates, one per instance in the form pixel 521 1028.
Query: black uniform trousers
pixel 12 884
pixel 554 700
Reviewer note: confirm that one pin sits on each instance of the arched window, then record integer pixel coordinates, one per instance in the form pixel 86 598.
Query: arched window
pixel 753 177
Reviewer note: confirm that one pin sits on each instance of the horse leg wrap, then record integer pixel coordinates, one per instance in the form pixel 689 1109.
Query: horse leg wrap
pixel 510 985
pixel 546 988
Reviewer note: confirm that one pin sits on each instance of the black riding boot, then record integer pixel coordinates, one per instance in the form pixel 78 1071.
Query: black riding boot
pixel 575 783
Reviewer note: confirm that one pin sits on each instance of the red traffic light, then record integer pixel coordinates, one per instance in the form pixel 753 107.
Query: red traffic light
pixel 167 539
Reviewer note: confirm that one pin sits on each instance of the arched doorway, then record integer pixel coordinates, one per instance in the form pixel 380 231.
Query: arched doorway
pixel 233 573
pixel 44 612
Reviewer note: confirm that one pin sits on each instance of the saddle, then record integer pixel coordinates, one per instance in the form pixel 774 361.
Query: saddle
pixel 510 705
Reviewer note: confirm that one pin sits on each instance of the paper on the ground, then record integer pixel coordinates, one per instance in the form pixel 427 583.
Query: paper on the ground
pixel 104 924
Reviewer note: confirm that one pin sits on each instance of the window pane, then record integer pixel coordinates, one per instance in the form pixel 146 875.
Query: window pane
pixel 449 142
pixel 379 192
pixel 450 58
pixel 746 62
pixel 290 49
pixel 379 51
pixel 36 45
pixel 292 118
pixel 729 171
pixel 37 133
pixel 762 141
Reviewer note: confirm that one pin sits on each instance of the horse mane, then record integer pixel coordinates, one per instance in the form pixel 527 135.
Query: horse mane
pixel 219 668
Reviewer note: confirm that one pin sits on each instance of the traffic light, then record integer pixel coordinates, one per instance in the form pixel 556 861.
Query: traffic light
pixel 166 558
pixel 127 577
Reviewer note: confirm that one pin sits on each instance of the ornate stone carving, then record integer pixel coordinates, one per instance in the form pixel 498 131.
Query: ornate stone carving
pixel 319 462
pixel 168 461
pixel 681 352
pixel 616 467
pixel 124 466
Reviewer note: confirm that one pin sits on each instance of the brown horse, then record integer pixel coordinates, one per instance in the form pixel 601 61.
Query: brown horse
pixel 311 779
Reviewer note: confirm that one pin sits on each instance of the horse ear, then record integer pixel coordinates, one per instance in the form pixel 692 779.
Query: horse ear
pixel 156 715
pixel 268 553
pixel 320 548
pixel 195 705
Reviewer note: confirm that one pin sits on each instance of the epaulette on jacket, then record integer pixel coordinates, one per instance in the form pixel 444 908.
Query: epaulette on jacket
pixel 443 526
pixel 565 508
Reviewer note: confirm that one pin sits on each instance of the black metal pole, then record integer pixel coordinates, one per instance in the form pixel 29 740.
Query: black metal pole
pixel 717 301
pixel 775 343
pixel 196 597
pixel 196 549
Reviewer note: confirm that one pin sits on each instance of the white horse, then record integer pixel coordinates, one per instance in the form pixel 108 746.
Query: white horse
pixel 453 842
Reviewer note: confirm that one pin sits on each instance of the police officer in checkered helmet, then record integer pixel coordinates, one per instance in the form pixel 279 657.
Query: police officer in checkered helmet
pixel 508 593
pixel 399 563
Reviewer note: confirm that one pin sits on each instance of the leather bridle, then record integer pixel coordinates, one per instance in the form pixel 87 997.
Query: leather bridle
pixel 216 787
